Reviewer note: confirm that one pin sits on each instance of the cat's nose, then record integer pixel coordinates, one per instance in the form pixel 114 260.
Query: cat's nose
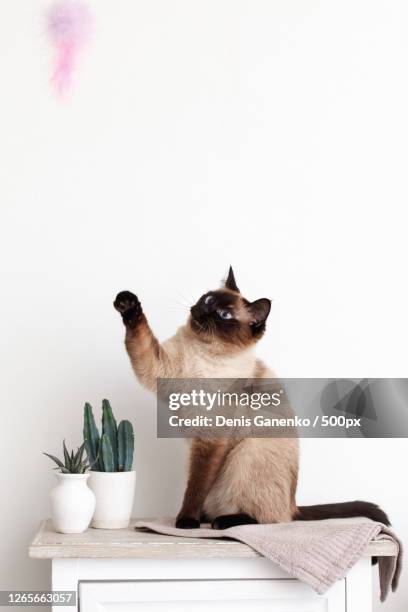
pixel 194 311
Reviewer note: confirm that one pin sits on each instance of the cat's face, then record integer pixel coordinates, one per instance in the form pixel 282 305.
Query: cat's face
pixel 226 316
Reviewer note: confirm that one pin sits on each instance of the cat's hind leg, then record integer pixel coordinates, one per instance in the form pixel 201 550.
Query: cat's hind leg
pixel 232 520
pixel 256 480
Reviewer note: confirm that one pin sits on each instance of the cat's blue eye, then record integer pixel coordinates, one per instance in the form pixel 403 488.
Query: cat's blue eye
pixel 208 299
pixel 225 314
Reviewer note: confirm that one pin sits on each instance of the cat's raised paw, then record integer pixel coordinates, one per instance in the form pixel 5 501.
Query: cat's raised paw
pixel 187 523
pixel 125 300
pixel 129 307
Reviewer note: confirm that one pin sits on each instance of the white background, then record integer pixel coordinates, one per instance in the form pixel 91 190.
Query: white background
pixel 270 134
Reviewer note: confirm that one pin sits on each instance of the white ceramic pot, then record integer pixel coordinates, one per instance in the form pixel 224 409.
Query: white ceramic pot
pixel 114 492
pixel 72 503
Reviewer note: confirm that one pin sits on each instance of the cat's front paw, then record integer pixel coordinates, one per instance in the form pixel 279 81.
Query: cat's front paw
pixel 129 307
pixel 186 522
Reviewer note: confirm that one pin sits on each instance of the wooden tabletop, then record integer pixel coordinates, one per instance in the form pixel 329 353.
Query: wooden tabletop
pixel 137 544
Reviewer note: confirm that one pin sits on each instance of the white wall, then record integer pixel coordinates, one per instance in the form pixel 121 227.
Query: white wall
pixel 267 134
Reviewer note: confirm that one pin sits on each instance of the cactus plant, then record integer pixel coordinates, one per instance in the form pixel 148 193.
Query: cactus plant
pixel 73 462
pixel 91 438
pixel 107 454
pixel 110 430
pixel 125 446
pixel 113 450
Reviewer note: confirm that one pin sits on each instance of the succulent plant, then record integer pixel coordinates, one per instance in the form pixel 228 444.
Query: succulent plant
pixel 113 450
pixel 73 462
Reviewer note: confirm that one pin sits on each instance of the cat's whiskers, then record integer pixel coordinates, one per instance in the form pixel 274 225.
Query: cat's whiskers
pixel 186 301
pixel 184 311
pixel 182 307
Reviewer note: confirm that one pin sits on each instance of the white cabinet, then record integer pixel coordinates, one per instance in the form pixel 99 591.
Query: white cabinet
pixel 208 596
pixel 125 570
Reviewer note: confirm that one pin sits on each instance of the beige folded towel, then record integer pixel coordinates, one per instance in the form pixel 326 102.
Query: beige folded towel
pixel 316 552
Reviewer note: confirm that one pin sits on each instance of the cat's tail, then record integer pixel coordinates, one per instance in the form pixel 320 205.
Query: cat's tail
pixel 342 510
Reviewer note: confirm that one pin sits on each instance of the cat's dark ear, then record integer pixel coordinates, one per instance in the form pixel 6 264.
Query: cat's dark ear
pixel 230 282
pixel 259 310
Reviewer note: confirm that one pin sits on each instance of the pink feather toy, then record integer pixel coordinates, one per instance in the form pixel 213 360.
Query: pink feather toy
pixel 69 26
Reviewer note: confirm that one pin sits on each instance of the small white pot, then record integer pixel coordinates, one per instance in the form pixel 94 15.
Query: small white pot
pixel 72 503
pixel 114 492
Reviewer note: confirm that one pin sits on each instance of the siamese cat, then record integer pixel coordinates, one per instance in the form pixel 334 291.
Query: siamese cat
pixel 230 481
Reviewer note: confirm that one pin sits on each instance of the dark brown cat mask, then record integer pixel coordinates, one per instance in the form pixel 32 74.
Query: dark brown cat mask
pixel 226 315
